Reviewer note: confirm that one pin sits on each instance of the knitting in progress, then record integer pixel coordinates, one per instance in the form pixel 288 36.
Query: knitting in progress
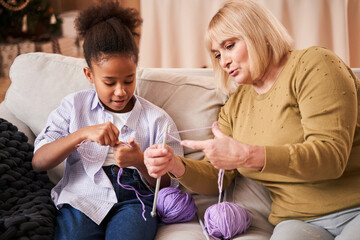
pixel 223 220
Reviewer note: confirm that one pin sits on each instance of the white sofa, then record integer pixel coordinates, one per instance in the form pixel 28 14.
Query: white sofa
pixel 40 80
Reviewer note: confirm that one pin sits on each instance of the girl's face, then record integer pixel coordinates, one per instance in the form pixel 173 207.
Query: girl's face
pixel 115 81
pixel 233 57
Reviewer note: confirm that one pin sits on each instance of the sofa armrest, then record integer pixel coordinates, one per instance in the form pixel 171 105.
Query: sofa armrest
pixel 6 114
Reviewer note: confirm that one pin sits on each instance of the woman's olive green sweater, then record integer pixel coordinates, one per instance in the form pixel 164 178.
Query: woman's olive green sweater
pixel 310 126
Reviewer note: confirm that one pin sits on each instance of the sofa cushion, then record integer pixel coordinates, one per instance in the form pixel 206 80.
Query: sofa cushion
pixel 256 199
pixel 191 100
pixel 38 83
pixel 7 114
pixel 356 71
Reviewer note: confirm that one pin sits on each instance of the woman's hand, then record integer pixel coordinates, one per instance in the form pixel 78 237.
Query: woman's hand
pixel 159 161
pixel 226 153
pixel 105 134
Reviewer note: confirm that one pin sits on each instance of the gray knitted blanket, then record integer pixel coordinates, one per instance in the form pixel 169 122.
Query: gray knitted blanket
pixel 26 208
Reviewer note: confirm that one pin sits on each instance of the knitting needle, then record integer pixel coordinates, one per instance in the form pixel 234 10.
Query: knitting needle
pixel 158 180
pixel 202 227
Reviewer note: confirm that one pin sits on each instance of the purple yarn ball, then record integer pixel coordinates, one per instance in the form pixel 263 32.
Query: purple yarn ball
pixel 225 220
pixel 174 206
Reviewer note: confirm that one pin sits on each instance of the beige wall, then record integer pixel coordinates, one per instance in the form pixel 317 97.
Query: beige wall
pixel 173 30
pixel 329 23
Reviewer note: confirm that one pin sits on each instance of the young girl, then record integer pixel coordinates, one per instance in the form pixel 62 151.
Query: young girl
pixel 95 132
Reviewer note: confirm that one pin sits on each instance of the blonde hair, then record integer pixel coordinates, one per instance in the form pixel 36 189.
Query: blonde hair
pixel 266 38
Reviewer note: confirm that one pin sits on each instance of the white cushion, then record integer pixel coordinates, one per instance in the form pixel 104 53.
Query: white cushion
pixel 191 100
pixel 256 199
pixel 6 114
pixel 38 83
pixel 356 71
pixel 187 95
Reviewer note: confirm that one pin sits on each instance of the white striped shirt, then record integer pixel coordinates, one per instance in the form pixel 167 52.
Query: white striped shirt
pixel 85 185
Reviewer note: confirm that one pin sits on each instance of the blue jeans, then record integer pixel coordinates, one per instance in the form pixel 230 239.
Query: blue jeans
pixel 124 221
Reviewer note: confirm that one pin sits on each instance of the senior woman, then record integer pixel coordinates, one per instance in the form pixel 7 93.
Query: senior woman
pixel 291 125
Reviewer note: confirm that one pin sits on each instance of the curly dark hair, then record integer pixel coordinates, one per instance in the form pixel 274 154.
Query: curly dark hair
pixel 108 29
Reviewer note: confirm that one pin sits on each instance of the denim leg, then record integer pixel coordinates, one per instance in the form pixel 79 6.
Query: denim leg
pixel 72 224
pixel 299 230
pixel 125 220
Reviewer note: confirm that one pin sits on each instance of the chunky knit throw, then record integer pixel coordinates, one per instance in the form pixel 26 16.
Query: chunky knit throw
pixel 26 208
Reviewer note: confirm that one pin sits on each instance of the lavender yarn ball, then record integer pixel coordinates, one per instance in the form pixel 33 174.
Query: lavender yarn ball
pixel 225 220
pixel 174 206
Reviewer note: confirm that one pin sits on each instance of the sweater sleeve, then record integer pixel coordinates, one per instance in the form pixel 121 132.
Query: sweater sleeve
pixel 202 177
pixel 325 89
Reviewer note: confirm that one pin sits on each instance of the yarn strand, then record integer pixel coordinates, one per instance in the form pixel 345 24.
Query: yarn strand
pixel 128 187
pixel 220 183
pixel 224 219
pixel 182 131
pixel 83 151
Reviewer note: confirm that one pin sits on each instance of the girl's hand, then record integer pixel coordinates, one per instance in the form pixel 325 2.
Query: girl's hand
pixel 226 153
pixel 159 161
pixel 128 154
pixel 104 134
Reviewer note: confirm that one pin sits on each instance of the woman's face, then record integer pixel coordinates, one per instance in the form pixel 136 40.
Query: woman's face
pixel 115 81
pixel 233 57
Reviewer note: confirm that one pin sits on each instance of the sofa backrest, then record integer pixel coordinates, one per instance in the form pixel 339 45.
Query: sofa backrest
pixel 40 80
pixel 356 71
pixel 38 83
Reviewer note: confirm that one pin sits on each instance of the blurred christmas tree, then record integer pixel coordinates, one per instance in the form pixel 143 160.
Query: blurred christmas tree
pixel 34 20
